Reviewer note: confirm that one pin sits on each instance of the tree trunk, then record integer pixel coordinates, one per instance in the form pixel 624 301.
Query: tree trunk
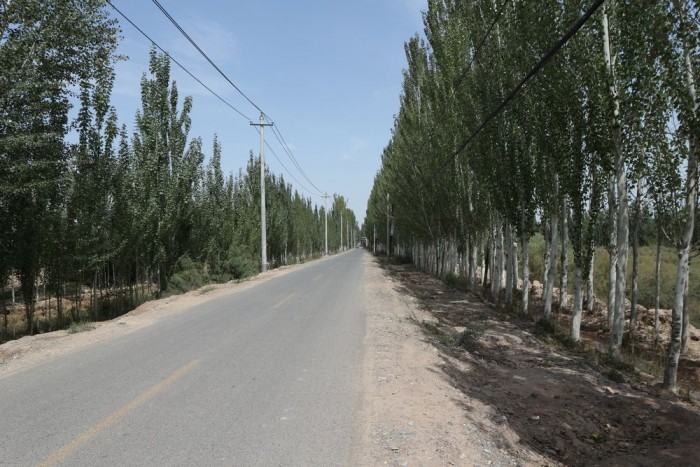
pixel 686 314
pixel 472 265
pixel 622 238
pixel 27 287
pixel 60 291
pixel 514 255
pixel 509 267
pixel 94 296
pixel 691 190
pixel 497 275
pixel 551 263
pixel 657 279
pixel 612 250
pixel 635 272
pixel 590 290
pixel 485 261
pixel 525 303
pixel 564 276
pixel 576 306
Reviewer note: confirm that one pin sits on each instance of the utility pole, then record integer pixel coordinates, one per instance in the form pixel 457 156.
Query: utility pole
pixel 263 221
pixel 325 210
pixel 341 230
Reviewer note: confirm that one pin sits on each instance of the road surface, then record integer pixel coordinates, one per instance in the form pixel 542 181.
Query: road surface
pixel 267 376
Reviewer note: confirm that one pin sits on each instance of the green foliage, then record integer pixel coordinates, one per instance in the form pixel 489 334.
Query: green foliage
pixel 42 63
pixel 128 217
pixel 468 339
pixel 81 326
pixel 544 327
pixel 241 263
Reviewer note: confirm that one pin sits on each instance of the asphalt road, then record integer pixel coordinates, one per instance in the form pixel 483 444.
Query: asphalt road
pixel 266 376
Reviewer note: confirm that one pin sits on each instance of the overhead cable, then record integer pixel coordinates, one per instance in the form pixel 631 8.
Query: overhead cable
pixel 276 132
pixel 187 36
pixel 553 50
pixel 176 62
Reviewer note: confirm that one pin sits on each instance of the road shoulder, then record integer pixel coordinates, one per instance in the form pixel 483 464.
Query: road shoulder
pixel 412 414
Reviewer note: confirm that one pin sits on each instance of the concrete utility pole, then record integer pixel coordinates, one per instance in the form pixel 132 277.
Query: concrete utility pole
pixel 325 210
pixel 263 221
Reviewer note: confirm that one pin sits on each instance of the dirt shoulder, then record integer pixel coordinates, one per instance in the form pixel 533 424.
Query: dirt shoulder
pixel 484 388
pixel 414 412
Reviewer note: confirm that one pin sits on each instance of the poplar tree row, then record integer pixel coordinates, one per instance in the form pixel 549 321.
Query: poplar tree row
pixel 111 218
pixel 613 114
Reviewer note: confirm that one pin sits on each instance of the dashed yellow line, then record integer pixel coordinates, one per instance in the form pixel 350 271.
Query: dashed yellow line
pixel 117 415
pixel 285 300
pixel 317 278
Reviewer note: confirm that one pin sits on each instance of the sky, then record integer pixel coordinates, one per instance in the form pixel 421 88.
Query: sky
pixel 328 73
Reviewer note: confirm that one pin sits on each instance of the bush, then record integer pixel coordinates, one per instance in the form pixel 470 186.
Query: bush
pixel 240 264
pixel 454 281
pixel 82 326
pixel 188 276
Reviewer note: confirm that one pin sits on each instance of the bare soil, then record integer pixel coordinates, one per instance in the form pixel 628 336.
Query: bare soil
pixel 416 413
pixel 536 401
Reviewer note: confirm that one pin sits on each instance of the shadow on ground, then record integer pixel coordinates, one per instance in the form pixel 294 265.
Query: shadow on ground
pixel 563 405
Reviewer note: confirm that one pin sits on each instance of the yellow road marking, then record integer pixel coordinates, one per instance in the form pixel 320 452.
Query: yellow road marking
pixel 317 278
pixel 117 415
pixel 288 298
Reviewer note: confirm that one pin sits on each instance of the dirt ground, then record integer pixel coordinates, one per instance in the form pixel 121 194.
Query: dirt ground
pixel 448 380
pixel 535 401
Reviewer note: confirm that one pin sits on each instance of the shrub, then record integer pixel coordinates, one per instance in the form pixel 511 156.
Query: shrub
pixel 82 326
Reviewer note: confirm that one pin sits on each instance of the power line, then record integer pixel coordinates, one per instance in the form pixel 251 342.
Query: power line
pixel 175 61
pixel 553 50
pixel 458 82
pixel 481 43
pixel 184 33
pixel 303 187
pixel 287 149
pixel 275 131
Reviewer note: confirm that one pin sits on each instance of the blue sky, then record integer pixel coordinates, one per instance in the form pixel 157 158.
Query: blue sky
pixel 328 73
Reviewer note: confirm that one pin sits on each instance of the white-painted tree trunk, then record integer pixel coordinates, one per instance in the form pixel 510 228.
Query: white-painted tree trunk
pixel 622 199
pixel 577 305
pixel 514 261
pixel 551 262
pixel 472 265
pixel 498 262
pixel 525 303
pixel 509 267
pixel 564 260
pixel 492 261
pixel 635 267
pixel 590 289
pixel 657 280
pixel 485 260
pixel 686 314
pixel 612 247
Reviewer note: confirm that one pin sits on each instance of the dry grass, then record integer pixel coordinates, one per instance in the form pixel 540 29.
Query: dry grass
pixel 646 288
